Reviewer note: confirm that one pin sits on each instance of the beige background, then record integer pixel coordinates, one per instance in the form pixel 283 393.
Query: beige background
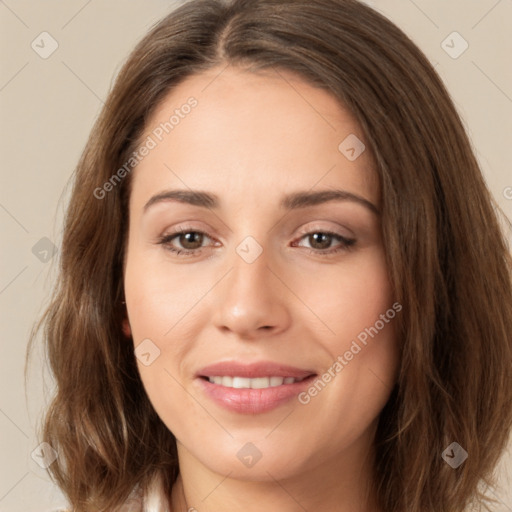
pixel 48 107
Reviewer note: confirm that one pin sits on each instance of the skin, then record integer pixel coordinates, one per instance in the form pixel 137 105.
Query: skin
pixel 251 139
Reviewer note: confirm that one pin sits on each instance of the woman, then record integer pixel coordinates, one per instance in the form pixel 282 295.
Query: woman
pixel 283 284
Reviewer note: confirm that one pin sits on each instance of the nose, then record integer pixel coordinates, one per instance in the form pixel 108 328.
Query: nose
pixel 251 301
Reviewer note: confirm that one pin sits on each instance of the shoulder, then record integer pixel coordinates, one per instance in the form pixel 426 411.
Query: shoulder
pixel 133 504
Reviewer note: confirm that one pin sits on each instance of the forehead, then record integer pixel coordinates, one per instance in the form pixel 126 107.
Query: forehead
pixel 253 134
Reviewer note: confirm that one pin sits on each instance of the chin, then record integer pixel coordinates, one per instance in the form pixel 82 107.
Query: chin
pixel 261 460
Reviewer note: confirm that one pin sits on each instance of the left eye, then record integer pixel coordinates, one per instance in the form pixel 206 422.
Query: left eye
pixel 191 242
pixel 323 240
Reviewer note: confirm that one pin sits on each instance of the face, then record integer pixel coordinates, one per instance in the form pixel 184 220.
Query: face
pixel 261 309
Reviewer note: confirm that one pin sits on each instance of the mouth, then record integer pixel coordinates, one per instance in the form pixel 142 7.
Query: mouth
pixel 238 382
pixel 252 388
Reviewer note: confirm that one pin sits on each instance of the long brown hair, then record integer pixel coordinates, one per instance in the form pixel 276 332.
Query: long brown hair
pixel 446 255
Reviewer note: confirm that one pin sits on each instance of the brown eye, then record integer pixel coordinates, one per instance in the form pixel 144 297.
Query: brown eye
pixel 320 240
pixel 191 240
pixel 184 242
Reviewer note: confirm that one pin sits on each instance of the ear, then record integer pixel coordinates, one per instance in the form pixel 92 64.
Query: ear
pixel 127 330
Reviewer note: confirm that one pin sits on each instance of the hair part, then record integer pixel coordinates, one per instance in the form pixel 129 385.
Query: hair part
pixel 447 258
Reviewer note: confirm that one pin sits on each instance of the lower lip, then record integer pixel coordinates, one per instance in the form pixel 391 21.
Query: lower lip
pixel 253 401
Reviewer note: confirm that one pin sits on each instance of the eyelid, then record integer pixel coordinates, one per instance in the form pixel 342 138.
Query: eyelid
pixel 186 228
pixel 315 227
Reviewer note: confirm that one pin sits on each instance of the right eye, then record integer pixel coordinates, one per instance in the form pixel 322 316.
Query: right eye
pixel 190 240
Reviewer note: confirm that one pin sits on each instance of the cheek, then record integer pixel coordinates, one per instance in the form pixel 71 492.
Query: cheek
pixel 159 305
pixel 348 298
pixel 159 296
pixel 357 305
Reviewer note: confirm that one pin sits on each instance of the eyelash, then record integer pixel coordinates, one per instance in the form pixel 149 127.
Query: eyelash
pixel 347 244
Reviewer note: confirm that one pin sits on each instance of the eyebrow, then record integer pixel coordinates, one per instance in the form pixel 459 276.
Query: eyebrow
pixel 293 201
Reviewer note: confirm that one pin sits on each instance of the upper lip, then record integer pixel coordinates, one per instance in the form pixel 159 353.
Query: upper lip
pixel 253 370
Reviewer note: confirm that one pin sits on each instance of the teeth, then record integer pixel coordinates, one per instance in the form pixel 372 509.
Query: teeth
pixel 226 381
pixel 241 382
pixel 276 381
pixel 256 383
pixel 259 383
